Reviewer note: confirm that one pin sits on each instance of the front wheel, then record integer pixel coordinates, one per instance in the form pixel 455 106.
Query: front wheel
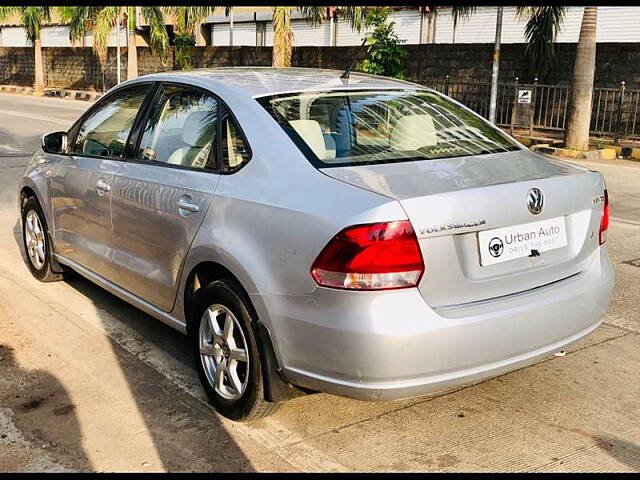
pixel 36 242
pixel 226 353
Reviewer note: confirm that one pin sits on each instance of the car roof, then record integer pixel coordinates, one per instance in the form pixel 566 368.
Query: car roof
pixel 264 81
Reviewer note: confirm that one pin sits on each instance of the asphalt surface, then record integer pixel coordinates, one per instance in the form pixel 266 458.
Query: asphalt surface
pixel 89 383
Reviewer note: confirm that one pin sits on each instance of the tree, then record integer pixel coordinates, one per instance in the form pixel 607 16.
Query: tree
pixel 32 19
pixel 79 20
pixel 385 55
pixel 283 33
pixel 102 20
pixel 543 23
pixel 579 119
pixel 460 13
pixel 185 20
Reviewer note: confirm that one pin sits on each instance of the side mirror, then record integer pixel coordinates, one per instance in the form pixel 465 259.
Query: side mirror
pixel 55 142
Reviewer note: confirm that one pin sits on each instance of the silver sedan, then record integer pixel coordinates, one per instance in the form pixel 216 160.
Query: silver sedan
pixel 365 237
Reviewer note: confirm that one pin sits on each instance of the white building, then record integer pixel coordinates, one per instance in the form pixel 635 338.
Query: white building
pixel 251 26
pixel 615 24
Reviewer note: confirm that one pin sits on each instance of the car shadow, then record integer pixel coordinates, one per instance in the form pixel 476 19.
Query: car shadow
pixel 40 428
pixel 624 451
pixel 186 432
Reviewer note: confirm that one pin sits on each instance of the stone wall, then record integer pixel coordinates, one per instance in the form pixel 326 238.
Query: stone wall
pixel 16 66
pixel 78 68
pixel 614 62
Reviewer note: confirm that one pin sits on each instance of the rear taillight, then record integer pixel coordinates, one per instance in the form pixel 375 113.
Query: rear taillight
pixel 375 256
pixel 604 221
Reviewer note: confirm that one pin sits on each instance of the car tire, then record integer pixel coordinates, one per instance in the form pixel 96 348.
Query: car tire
pixel 238 396
pixel 36 242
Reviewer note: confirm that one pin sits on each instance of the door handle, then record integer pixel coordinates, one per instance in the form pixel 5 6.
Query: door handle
pixel 184 205
pixel 102 187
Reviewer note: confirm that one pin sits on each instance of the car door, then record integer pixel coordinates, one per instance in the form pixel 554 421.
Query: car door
pixel 81 181
pixel 160 196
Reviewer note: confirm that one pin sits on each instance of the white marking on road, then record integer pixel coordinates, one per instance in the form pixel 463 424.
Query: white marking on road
pixel 36 117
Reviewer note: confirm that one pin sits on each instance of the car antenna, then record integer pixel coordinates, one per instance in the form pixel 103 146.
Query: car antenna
pixel 346 73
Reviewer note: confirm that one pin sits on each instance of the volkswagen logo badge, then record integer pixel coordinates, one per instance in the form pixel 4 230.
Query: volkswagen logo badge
pixel 535 201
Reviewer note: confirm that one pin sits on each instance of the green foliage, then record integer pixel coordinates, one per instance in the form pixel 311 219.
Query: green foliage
pixel 542 25
pixel 462 12
pixel 385 54
pixel 183 53
pixel 185 20
pixel 31 18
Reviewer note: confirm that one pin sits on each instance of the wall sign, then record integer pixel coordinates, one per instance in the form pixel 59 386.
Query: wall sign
pixel 524 96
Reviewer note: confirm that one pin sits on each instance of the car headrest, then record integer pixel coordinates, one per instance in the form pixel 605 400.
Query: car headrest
pixel 196 126
pixel 311 133
pixel 413 132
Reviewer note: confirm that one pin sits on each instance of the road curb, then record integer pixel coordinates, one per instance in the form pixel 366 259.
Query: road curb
pixel 607 154
pixel 64 93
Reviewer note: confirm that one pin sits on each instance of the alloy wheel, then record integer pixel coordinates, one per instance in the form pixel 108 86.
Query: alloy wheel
pixel 34 239
pixel 224 352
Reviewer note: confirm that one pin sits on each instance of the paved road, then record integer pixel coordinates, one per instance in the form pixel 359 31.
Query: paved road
pixel 90 383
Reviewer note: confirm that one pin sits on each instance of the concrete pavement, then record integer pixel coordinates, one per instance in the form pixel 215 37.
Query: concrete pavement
pixel 90 383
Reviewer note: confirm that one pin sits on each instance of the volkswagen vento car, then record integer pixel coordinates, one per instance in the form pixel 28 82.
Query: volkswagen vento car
pixel 361 236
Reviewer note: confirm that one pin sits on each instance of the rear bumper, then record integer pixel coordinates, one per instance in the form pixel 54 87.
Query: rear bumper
pixel 392 345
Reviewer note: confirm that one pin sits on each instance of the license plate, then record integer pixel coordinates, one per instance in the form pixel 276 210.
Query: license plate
pixel 529 239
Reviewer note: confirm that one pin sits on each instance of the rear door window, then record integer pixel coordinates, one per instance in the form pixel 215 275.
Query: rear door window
pixel 181 129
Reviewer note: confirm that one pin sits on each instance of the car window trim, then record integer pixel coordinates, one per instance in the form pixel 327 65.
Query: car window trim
pixel 143 122
pixel 223 108
pixel 72 133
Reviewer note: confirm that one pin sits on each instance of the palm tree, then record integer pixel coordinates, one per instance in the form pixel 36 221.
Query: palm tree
pixel 579 119
pixel 460 13
pixel 32 18
pixel 185 20
pixel 283 33
pixel 79 20
pixel 102 20
pixel 542 26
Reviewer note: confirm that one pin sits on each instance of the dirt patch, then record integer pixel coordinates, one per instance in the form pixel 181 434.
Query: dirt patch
pixel 31 404
pixel 38 428
pixel 64 410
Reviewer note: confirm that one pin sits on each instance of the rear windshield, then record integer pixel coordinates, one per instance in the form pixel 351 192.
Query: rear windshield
pixel 343 128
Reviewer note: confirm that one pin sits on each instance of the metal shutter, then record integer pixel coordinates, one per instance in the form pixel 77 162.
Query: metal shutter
pixel 55 37
pixel 304 34
pixel 345 35
pixel 220 34
pixel 14 37
pixel 244 34
pixel 407 25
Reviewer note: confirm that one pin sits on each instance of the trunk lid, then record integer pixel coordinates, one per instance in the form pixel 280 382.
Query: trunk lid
pixel 449 201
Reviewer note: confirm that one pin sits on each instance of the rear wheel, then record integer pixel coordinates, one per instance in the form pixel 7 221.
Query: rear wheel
pixel 36 242
pixel 226 353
